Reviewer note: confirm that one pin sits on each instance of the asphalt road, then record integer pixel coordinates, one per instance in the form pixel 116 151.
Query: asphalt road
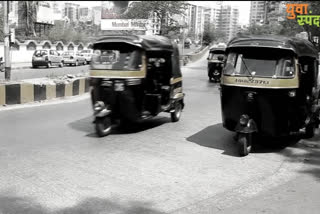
pixel 51 161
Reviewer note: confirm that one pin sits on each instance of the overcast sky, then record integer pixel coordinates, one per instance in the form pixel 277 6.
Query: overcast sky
pixel 244 6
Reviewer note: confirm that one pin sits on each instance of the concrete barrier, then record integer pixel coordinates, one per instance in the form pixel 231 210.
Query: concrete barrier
pixel 185 59
pixel 196 56
pixel 24 92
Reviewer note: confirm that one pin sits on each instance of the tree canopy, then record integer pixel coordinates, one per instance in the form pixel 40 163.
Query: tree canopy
pixel 160 10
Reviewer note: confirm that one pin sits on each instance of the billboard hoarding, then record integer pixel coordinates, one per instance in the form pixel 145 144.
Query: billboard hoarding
pixel 124 24
pixel 45 13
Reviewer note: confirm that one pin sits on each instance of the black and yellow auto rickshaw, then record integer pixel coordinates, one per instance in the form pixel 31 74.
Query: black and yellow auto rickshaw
pixel 215 63
pixel 269 87
pixel 134 78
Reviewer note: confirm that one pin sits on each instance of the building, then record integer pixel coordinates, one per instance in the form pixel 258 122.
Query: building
pixel 275 12
pixel 71 11
pixel 228 21
pixel 257 12
pixel 57 11
pixel 210 18
pixel 265 12
pixel 44 19
pixel 85 15
pixel 96 15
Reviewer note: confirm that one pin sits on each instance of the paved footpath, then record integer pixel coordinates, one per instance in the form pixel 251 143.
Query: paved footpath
pixel 300 195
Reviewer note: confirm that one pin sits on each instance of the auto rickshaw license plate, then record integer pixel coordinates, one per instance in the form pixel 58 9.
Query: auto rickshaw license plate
pixel 119 86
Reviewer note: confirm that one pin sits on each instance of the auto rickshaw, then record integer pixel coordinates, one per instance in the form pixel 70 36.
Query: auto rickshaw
pixel 134 78
pixel 270 88
pixel 215 63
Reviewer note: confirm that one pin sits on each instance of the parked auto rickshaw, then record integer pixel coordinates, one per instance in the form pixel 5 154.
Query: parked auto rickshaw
pixel 134 78
pixel 270 87
pixel 215 63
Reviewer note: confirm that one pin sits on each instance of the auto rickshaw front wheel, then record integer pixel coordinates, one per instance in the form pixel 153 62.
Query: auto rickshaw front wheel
pixel 103 126
pixel 244 143
pixel 175 116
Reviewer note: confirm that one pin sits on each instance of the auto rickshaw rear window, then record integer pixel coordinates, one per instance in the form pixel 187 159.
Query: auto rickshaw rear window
pixel 262 63
pixel 112 58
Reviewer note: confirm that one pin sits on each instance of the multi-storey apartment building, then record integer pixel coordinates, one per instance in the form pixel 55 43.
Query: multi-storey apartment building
pixel 57 11
pixel 264 12
pixel 85 15
pixel 229 21
pixel 257 12
pixel 96 15
pixel 71 11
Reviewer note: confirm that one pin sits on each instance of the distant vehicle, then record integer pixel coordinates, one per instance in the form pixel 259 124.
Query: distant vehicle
pixel 73 58
pixel 215 63
pixel 187 43
pixel 46 58
pixel 87 54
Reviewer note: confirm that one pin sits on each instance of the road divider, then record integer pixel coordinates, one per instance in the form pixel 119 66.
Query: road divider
pixel 185 59
pixel 24 92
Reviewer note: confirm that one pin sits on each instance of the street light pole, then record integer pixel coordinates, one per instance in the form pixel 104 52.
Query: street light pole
pixel 183 38
pixel 7 58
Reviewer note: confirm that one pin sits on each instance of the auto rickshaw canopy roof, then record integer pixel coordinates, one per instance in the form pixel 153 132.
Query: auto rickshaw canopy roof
pixel 147 42
pixel 217 49
pixel 301 47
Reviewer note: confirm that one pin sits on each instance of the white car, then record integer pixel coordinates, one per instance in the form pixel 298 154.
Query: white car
pixel 73 58
pixel 87 54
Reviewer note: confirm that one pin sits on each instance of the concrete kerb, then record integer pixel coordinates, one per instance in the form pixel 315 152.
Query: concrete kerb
pixel 13 93
pixel 194 57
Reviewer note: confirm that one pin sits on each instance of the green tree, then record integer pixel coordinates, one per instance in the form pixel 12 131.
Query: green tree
pixel 28 10
pixel 161 10
pixel 257 29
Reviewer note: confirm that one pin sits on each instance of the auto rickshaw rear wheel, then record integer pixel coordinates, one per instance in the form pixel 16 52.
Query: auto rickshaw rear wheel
pixel 103 126
pixel 245 143
pixel 175 116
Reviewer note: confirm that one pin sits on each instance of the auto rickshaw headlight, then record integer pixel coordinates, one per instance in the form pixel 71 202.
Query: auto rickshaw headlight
pixel 98 106
pixel 292 93
pixel 244 119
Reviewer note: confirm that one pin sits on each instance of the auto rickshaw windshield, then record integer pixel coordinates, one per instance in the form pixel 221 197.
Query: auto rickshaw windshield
pixel 213 55
pixel 117 59
pixel 262 63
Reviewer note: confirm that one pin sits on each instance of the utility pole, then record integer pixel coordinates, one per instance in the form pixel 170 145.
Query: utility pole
pixel 7 55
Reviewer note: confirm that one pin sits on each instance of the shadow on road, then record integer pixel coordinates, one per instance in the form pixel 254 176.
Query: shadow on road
pixel 93 205
pixel 86 125
pixel 217 137
pixel 310 155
